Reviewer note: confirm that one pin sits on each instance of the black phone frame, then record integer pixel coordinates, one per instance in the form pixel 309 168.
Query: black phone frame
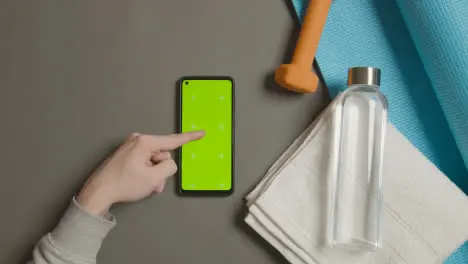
pixel 179 188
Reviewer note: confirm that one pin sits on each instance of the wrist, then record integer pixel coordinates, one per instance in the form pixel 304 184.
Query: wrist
pixel 94 200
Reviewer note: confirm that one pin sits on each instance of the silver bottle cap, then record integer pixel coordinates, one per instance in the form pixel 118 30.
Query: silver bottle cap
pixel 364 75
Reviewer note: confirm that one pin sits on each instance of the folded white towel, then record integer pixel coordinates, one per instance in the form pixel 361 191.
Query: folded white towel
pixel 425 216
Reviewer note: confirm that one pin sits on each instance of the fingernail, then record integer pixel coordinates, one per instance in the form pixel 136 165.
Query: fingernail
pixel 200 133
pixel 136 134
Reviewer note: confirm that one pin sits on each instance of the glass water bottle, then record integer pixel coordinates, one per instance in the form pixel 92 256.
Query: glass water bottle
pixel 357 157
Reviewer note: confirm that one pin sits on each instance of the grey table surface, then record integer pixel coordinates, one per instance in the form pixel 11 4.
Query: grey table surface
pixel 76 77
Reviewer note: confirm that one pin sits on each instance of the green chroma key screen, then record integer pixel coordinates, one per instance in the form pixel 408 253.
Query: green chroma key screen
pixel 206 164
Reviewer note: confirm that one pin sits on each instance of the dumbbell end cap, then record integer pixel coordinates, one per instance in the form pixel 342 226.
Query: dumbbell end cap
pixel 296 78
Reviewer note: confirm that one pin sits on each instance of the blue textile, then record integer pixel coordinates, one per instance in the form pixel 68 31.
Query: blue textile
pixel 422 49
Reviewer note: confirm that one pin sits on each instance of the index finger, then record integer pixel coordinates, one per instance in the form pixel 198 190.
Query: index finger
pixel 170 142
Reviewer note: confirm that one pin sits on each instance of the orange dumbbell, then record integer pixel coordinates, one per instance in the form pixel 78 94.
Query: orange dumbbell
pixel 298 75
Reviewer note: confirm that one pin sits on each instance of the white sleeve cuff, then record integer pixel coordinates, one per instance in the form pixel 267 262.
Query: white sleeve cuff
pixel 80 234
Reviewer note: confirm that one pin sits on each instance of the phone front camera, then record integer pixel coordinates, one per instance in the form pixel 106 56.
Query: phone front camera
pixel 186 83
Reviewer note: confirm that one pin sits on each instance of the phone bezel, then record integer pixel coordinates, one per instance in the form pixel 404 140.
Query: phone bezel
pixel 180 190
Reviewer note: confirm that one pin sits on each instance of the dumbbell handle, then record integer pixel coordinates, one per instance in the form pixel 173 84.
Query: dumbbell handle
pixel 311 30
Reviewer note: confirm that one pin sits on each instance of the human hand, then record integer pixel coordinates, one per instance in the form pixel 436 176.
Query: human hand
pixel 138 168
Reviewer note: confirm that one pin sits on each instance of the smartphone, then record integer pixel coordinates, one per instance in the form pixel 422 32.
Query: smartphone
pixel 206 166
